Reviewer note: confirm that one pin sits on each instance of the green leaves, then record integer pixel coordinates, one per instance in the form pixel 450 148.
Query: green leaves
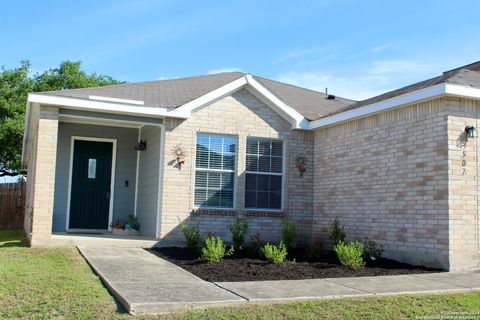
pixel 15 84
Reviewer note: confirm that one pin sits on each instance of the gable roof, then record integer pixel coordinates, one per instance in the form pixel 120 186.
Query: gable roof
pixel 178 92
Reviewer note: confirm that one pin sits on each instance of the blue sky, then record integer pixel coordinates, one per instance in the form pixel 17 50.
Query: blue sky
pixel 355 48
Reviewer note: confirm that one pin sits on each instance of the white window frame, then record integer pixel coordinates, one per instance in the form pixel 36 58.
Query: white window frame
pixel 282 195
pixel 234 171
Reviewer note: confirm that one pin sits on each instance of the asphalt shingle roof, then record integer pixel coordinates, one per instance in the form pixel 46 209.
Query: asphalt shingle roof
pixel 176 92
pixel 311 104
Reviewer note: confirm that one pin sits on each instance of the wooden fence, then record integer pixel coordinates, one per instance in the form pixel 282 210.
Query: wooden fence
pixel 12 205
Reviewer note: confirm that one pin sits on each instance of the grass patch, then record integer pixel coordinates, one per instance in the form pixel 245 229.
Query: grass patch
pixel 57 283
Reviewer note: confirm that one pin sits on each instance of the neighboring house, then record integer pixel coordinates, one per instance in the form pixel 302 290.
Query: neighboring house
pixel 397 168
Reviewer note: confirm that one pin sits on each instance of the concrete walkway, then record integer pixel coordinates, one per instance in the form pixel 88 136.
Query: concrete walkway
pixel 258 291
pixel 145 283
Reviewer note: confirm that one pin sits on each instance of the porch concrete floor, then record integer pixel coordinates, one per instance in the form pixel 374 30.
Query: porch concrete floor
pixel 145 283
pixel 103 240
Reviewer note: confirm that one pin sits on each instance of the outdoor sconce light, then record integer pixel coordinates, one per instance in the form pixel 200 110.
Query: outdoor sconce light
pixel 300 162
pixel 471 132
pixel 141 145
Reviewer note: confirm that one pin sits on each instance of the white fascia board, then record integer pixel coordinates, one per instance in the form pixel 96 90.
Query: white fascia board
pixel 105 106
pixel 462 91
pixel 212 96
pixel 298 121
pixel 408 98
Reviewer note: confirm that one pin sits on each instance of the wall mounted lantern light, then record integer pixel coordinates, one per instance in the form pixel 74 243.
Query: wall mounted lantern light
pixel 471 132
pixel 141 145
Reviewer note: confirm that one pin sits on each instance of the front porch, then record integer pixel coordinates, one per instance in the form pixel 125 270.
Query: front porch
pixel 100 178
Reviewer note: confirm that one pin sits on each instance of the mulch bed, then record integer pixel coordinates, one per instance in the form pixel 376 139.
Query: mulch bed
pixel 246 265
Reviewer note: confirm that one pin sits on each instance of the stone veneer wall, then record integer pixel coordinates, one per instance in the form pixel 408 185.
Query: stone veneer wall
pixel 463 183
pixel 242 115
pixel 385 176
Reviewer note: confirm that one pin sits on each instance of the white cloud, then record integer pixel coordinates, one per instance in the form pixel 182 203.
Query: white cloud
pixel 355 87
pixel 380 48
pixel 382 76
pixel 397 66
pixel 301 53
pixel 232 69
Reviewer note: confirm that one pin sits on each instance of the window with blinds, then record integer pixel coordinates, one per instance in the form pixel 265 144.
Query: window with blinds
pixel 215 170
pixel 264 174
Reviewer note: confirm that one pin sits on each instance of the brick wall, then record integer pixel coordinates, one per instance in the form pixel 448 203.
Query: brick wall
pixel 242 115
pixel 44 175
pixel 385 177
pixel 463 187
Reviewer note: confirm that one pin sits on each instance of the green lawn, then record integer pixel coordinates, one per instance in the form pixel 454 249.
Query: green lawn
pixel 57 283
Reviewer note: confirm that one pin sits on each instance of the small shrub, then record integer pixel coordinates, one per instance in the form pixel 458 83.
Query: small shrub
pixel 275 254
pixel 215 250
pixel 192 235
pixel 372 249
pixel 289 233
pixel 239 231
pixel 337 233
pixel 351 254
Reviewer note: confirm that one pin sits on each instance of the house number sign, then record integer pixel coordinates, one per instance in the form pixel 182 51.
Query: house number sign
pixel 92 168
pixel 464 161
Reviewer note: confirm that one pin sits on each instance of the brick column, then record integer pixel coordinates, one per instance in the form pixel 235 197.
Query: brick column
pixel 44 175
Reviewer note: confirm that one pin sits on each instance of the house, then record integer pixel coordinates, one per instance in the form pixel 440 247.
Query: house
pixel 400 168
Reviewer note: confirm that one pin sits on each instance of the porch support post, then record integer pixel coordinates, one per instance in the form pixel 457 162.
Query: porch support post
pixel 44 175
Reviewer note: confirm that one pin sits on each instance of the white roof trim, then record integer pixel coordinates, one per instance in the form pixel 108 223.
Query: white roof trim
pixel 403 99
pixel 298 121
pixel 462 91
pixel 128 101
pixel 212 96
pixel 104 106
pixel 408 98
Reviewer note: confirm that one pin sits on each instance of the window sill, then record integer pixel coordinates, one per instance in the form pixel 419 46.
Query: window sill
pixel 260 213
pixel 212 212
pixel 231 213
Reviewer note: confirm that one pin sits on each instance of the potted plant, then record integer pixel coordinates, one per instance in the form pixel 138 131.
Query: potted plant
pixel 132 226
pixel 129 228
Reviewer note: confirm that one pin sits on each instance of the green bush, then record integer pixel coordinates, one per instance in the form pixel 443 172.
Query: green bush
pixel 239 231
pixel 289 233
pixel 275 254
pixel 337 233
pixel 351 254
pixel 192 235
pixel 215 250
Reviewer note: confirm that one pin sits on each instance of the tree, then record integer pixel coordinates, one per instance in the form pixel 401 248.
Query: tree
pixel 15 84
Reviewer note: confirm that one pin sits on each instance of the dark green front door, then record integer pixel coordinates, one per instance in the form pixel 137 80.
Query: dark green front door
pixel 90 192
